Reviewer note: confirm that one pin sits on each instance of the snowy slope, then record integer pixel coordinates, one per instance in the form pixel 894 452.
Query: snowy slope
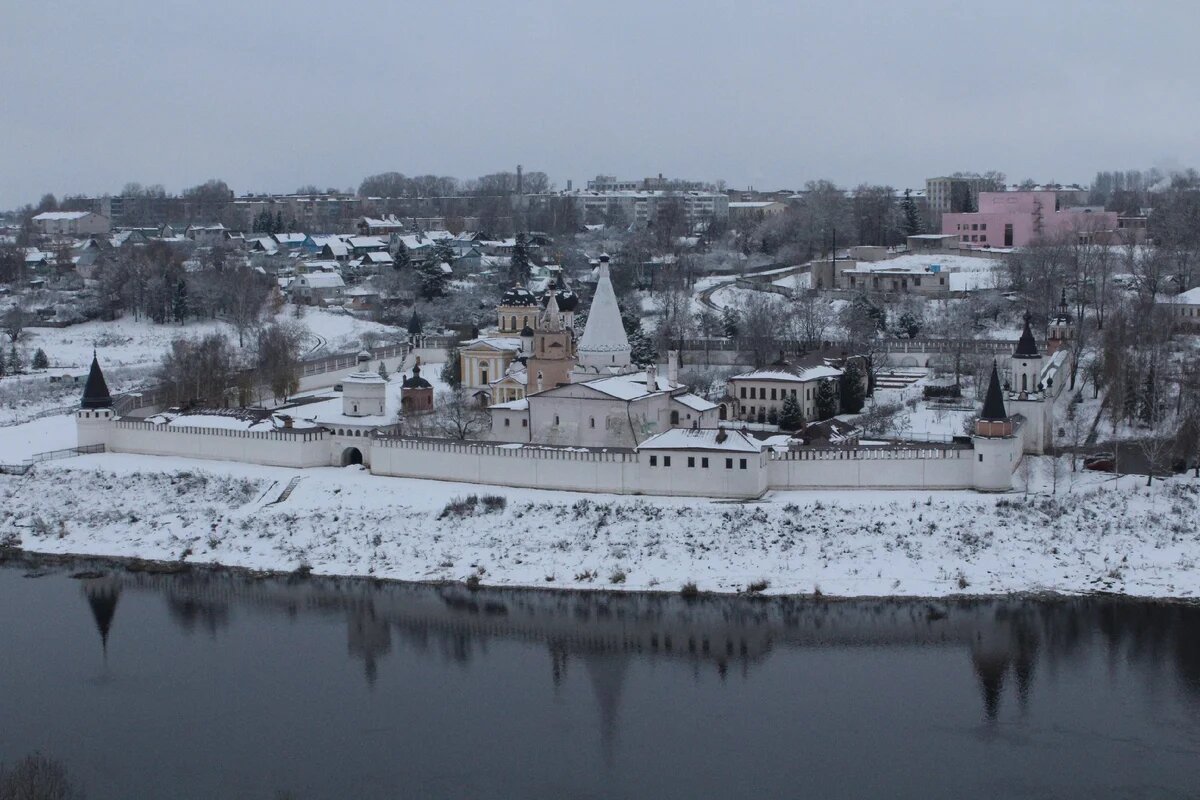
pixel 1092 535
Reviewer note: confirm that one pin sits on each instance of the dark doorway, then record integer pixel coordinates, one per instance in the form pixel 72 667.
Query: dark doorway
pixel 351 455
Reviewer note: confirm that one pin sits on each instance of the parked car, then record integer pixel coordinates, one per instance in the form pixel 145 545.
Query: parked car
pixel 1100 462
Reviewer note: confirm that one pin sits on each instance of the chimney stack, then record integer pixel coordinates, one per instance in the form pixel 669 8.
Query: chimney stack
pixel 673 366
pixel 652 378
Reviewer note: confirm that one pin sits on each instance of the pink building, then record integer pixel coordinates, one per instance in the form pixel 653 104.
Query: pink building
pixel 1014 219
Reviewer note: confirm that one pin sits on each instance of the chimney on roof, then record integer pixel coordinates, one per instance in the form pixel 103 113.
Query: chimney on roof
pixel 652 378
pixel 673 366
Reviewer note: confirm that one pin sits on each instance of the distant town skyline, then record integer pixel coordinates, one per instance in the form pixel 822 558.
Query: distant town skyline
pixel 767 94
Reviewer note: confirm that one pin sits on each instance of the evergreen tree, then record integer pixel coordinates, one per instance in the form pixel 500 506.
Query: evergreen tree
pixel 179 301
pixel 40 360
pixel 1148 404
pixel 3 364
pixel 792 417
pixel 383 373
pixel 641 349
pixel 444 252
pixel 277 225
pixel 827 400
pixel 729 322
pixel 909 324
pixel 773 416
pixel 912 215
pixel 414 324
pixel 432 279
pixel 452 369
pixel 851 388
pixel 401 259
pixel 15 363
pixel 518 271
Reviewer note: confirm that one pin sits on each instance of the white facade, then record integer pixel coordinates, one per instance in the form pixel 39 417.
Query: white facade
pixel 70 223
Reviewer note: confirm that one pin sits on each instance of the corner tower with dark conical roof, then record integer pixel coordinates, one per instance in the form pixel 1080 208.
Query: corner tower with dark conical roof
pixel 996 448
pixel 94 419
pixel 993 420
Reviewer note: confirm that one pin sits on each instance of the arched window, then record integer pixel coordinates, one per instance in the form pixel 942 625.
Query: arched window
pixel 514 322
pixel 674 417
pixel 1024 383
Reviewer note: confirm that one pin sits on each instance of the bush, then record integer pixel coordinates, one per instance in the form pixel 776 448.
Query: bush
pixel 618 576
pixel 40 360
pixel 758 586
pixel 689 590
pixel 937 392
pixel 460 507
pixel 493 503
pixel 472 582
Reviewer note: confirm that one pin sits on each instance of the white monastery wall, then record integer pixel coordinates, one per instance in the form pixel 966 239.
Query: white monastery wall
pixel 873 468
pixel 305 449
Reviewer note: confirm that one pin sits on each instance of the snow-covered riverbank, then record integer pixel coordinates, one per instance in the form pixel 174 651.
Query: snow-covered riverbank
pixel 1095 534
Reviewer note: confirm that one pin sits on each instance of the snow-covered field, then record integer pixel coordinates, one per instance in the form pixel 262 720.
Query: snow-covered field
pixel 131 349
pixel 1094 533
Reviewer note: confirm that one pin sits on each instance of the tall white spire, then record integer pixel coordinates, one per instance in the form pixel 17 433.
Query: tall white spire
pixel 604 346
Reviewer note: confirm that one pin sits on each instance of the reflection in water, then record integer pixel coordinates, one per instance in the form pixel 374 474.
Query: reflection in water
pixel 102 593
pixel 1007 639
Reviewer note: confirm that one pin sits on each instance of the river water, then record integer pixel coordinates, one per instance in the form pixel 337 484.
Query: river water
pixel 210 685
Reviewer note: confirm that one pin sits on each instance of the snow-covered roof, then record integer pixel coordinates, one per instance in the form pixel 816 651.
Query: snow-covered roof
pixel 366 241
pixel 364 378
pixel 631 386
pixel 695 402
pixel 781 374
pixel 754 204
pixel 378 257
pixel 1190 297
pixel 513 405
pixel 319 280
pixel 494 342
pixel 718 439
pixel 57 215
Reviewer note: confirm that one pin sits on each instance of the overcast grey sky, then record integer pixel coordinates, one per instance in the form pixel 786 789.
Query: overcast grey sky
pixel 270 96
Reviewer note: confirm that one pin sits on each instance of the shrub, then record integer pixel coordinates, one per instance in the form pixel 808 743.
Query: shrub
pixel 36 776
pixel 937 392
pixel 460 507
pixel 493 503
pixel 618 576
pixel 759 585
pixel 40 360
pixel 472 582
pixel 689 590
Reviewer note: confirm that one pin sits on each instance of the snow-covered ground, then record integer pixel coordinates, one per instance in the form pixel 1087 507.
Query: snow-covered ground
pixel 1094 533
pixel 131 350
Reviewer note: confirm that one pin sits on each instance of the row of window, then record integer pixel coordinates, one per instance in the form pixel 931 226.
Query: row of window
pixel 762 393
pixel 524 422
pixel 691 462
pixel 974 226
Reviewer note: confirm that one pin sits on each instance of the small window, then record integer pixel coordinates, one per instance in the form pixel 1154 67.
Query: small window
pixel 793 392
pixel 772 394
pixel 743 395
pixel 741 463
pixel 981 458
pixel 704 463
pixel 691 461
pixel 524 423
pixel 556 419
pixel 666 461
pixel 729 463
pixel 592 422
pixel 506 422
pixel 654 461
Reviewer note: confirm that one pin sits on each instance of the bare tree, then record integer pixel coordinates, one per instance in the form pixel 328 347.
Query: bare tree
pixel 37 777
pixel 811 318
pixel 14 321
pixel 457 416
pixel 277 358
